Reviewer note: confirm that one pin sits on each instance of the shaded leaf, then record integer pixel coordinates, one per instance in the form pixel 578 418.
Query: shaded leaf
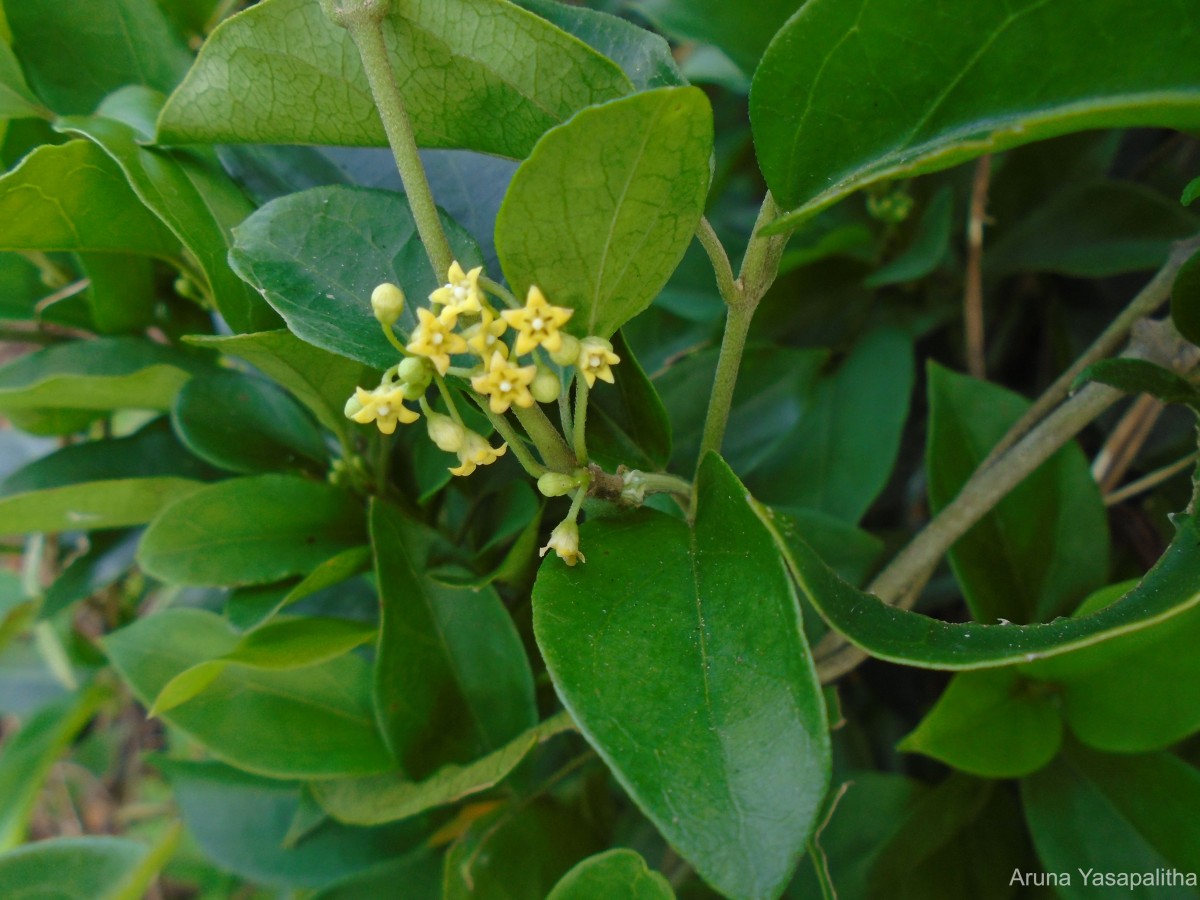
pixel 630 178
pixel 1140 376
pixel 1185 299
pixel 617 874
pixel 741 31
pixel 627 424
pixel 928 247
pixel 251 606
pixel 109 556
pixel 16 100
pixel 84 868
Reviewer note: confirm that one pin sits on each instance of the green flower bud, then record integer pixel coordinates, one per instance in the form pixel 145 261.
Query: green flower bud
pixel 566 354
pixel 416 374
pixel 354 405
pixel 546 386
pixel 556 484
pixel 387 301
pixel 445 432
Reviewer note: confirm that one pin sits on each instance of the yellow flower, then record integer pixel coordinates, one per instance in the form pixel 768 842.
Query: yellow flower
pixel 483 338
pixel 505 384
pixel 434 340
pixel 537 323
pixel 460 294
pixel 564 540
pixel 474 452
pixel 384 406
pixel 595 360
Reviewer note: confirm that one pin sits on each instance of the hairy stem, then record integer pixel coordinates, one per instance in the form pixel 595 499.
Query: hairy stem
pixel 514 440
pixel 712 245
pixel 579 429
pixel 550 444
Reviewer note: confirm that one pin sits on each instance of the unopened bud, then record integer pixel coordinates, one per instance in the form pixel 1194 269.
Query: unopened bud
pixel 445 432
pixel 566 354
pixel 353 406
pixel 387 301
pixel 555 484
pixel 415 373
pixel 546 386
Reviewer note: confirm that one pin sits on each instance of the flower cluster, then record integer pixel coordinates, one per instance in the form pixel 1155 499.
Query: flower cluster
pixel 505 355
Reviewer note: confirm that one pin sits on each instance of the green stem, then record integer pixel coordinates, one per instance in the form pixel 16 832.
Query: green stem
pixel 496 289
pixel 662 483
pixel 448 397
pixel 733 344
pixel 550 444
pixel 365 24
pixel 514 441
pixel 579 431
pixel 730 291
pixel 390 334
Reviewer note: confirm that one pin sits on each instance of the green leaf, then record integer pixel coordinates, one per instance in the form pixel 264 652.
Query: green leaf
pixel 452 680
pixel 644 56
pixel 250 607
pixel 1140 376
pixel 240 822
pixel 387 798
pixel 492 861
pixel 252 530
pixel 992 723
pixel 628 424
pixel 1190 192
pixel 848 550
pixel 16 100
pixel 17 609
pixel 27 756
pixel 913 639
pixel 615 875
pixel 928 247
pixel 286 248
pixel 320 380
pixel 839 101
pixel 419 871
pixel 1092 230
pixel 742 31
pixel 73 197
pixel 1120 814
pixel 120 294
pixel 76 55
pixel 101 374
pixel 280 645
pixel 479 74
pixel 839 455
pixel 694 682
pixel 1045 545
pixel 188 191
pixel 303 723
pixel 1185 299
pixel 631 177
pixel 84 868
pixel 215 415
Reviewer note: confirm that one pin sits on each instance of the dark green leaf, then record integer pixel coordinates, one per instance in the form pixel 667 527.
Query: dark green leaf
pixel 480 74
pixel 1092 230
pixel 189 192
pixel 839 455
pixel 317 255
pixel 847 549
pixel 928 247
pixel 251 531
pixel 628 424
pixel 249 607
pixel 16 100
pixel 1190 192
pixel 246 424
pixel 992 723
pixel 913 639
pixel 240 822
pixel 387 798
pixel 615 875
pixel 109 556
pixel 452 680
pixel 1139 376
pixel 27 756
pixel 1045 545
pixel 1185 299
pixel 492 861
pixel 75 55
pixel 73 197
pixel 631 178
pixel 849 94
pixel 740 30
pixel 419 871
pixel 1119 814
pixel 643 55
pixel 303 723
pixel 120 292
pixel 681 656
pixel 84 868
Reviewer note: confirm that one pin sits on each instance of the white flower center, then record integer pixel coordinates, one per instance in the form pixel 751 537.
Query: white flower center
pixel 436 340
pixel 538 323
pixel 505 386
pixel 593 362
pixel 460 293
pixel 491 339
pixel 383 409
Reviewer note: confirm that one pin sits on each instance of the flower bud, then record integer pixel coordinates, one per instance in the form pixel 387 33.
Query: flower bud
pixel 568 352
pixel 564 540
pixel 415 373
pixel 546 386
pixel 353 406
pixel 387 301
pixel 445 432
pixel 555 484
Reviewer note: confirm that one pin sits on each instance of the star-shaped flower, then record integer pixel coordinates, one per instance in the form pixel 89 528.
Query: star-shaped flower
pixel 483 338
pixel 433 339
pixel 460 294
pixel 537 323
pixel 475 452
pixel 595 360
pixel 505 384
pixel 384 406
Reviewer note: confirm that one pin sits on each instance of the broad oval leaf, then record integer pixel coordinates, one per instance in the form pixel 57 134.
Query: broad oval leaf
pixel 478 74
pixel 1185 299
pixel 614 875
pixel 16 100
pixel 95 868
pixel 741 30
pixel 914 639
pixel 452 680
pixel 317 255
pixel 303 723
pixel 1041 549
pixel 251 531
pixel 681 655
pixel 601 213
pixel 851 93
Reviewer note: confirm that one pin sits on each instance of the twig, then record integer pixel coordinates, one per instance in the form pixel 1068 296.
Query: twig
pixel 1122 446
pixel 1154 479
